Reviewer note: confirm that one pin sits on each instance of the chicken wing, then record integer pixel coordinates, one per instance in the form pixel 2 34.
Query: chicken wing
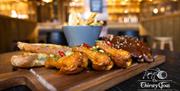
pixel 71 64
pixel 99 61
pixel 120 57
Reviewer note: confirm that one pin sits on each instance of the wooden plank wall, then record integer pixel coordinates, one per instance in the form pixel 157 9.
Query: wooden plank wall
pixel 13 30
pixel 167 25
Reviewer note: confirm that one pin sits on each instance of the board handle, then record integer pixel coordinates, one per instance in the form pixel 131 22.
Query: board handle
pixel 17 78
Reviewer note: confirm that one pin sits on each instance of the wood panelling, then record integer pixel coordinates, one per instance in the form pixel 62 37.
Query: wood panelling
pixel 167 25
pixel 13 30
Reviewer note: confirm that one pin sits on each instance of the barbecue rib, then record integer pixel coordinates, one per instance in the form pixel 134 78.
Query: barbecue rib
pixel 120 57
pixel 137 48
pixel 99 60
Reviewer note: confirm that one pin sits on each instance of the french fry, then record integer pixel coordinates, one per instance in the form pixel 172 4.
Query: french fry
pixel 91 18
pixel 75 19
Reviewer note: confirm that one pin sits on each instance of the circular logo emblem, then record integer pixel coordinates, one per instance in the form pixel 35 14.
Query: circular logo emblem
pixel 162 75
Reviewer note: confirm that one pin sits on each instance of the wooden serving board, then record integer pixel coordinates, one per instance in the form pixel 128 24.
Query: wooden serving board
pixel 87 80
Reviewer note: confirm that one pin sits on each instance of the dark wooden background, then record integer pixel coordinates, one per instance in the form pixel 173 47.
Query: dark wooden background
pixel 166 25
pixel 13 30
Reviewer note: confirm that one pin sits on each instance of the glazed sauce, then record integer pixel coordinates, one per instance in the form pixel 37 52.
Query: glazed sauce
pixel 137 48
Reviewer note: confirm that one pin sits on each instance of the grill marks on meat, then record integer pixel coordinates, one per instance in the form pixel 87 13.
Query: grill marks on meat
pixel 138 49
pixel 42 48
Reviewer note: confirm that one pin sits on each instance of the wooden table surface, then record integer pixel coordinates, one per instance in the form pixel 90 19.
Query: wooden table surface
pixel 173 62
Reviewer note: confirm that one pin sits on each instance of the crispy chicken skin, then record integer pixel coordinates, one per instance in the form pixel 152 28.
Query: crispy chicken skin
pixel 71 64
pixel 42 48
pixel 120 57
pixel 99 61
pixel 50 63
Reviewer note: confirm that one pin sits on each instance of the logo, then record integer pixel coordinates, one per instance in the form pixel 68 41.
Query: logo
pixel 155 74
pixel 155 79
